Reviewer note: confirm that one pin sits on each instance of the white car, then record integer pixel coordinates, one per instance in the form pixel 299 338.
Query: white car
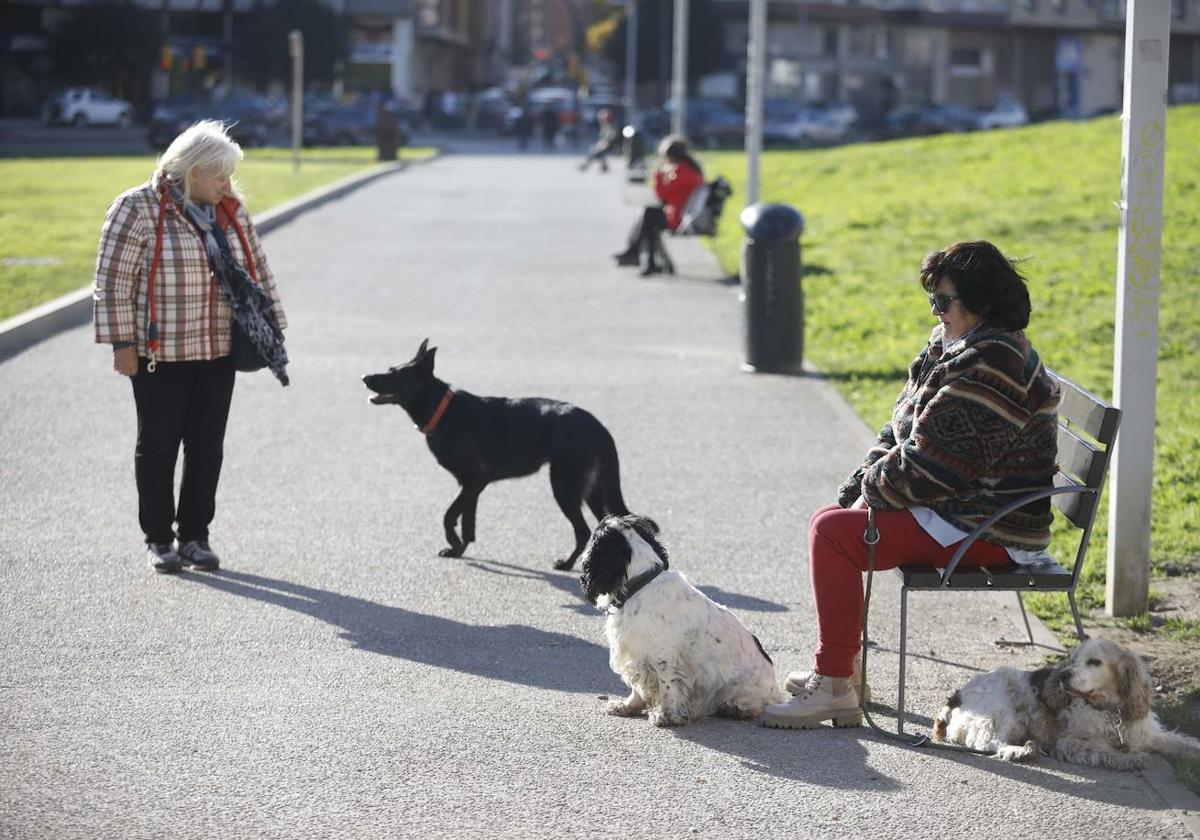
pixel 1006 114
pixel 802 125
pixel 87 106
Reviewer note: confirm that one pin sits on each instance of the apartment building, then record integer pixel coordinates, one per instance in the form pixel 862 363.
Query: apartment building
pixel 1055 56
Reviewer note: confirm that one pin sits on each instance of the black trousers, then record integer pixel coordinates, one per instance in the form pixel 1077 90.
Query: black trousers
pixel 188 403
pixel 647 232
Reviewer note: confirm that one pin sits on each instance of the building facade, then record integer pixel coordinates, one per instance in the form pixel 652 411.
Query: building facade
pixel 1060 57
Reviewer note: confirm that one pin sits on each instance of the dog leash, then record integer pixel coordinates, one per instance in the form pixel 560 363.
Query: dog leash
pixel 871 537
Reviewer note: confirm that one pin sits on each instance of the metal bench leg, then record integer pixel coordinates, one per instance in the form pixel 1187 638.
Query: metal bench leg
pixel 1025 618
pixel 903 651
pixel 1075 614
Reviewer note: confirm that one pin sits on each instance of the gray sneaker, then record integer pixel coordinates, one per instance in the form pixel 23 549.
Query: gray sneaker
pixel 162 558
pixel 823 698
pixel 199 556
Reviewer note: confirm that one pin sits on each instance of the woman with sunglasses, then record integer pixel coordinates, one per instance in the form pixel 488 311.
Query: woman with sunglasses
pixel 974 428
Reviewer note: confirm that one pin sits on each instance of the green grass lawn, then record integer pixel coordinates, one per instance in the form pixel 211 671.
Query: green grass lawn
pixel 51 209
pixel 1044 194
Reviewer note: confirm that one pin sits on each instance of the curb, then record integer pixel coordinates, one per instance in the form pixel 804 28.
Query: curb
pixel 74 309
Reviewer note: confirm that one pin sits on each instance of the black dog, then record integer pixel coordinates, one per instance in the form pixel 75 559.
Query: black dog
pixel 484 439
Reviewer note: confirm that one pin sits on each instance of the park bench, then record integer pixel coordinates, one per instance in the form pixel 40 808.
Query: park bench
pixel 700 215
pixel 1087 429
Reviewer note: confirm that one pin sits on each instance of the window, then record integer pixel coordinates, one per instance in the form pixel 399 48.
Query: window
pixel 1178 9
pixel 1059 6
pixel 1029 6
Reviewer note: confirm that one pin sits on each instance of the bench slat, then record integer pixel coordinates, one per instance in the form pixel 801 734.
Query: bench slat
pixel 1077 507
pixel 1054 578
pixel 1087 411
pixel 1079 459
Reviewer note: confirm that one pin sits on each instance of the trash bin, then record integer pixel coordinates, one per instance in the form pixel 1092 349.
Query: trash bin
pixel 635 154
pixel 387 132
pixel 772 298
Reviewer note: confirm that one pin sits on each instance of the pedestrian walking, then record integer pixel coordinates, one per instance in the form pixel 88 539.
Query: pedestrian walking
pixel 974 428
pixel 550 123
pixel 523 127
pixel 173 253
pixel 606 142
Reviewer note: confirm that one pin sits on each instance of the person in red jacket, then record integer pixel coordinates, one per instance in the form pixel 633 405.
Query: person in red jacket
pixel 678 175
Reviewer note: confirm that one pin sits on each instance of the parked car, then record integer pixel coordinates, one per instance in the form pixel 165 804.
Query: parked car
pixel 86 106
pixel 842 114
pixel 708 121
pixel 248 124
pixel 490 107
pixel 794 123
pixel 1008 113
pixel 340 125
pixel 907 120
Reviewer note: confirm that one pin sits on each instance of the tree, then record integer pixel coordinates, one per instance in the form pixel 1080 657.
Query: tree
pixel 706 40
pixel 110 44
pixel 261 41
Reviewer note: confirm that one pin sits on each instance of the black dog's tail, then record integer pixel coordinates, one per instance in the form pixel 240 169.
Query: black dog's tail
pixel 609 478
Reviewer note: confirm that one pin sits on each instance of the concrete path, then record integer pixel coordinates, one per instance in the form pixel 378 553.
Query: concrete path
pixel 337 678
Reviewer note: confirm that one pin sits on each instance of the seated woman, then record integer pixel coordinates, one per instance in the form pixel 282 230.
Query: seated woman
pixel 974 428
pixel 676 178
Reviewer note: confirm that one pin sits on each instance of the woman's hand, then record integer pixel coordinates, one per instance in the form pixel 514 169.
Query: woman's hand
pixel 125 361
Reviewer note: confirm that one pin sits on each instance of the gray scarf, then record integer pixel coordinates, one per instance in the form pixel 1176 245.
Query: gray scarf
pixel 250 302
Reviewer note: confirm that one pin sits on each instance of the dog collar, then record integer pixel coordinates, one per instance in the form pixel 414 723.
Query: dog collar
pixel 438 412
pixel 633 587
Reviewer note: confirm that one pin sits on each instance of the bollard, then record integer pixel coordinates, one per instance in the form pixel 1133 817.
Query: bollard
pixel 635 154
pixel 387 132
pixel 772 298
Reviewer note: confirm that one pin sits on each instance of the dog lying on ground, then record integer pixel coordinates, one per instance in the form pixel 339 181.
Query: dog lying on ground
pixel 683 656
pixel 1093 708
pixel 484 439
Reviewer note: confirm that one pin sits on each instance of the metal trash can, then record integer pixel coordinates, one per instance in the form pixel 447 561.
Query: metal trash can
pixel 635 154
pixel 772 297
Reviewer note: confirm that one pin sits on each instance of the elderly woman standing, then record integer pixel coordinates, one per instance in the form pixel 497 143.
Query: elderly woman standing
pixel 161 299
pixel 974 428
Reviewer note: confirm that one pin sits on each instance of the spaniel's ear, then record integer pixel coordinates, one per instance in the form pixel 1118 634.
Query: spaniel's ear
pixel 605 563
pixel 1047 684
pixel 647 529
pixel 1134 686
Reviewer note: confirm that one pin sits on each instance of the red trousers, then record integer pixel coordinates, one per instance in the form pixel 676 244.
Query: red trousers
pixel 838 557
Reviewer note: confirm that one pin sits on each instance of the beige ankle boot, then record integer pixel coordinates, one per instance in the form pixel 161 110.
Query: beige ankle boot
pixel 823 698
pixel 796 681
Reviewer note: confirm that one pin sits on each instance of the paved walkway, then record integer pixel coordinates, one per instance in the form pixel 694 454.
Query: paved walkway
pixel 337 678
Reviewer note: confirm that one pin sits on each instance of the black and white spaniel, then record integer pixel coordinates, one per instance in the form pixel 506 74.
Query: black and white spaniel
pixel 1093 708
pixel 682 655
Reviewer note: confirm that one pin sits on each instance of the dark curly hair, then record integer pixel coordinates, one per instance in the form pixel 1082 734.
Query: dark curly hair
pixel 986 281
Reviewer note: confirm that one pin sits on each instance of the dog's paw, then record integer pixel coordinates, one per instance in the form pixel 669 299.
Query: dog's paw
pixel 662 719
pixel 452 552
pixel 619 708
pixel 1027 752
pixel 565 565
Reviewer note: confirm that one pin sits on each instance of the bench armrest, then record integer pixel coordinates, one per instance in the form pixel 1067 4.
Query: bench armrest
pixel 1004 511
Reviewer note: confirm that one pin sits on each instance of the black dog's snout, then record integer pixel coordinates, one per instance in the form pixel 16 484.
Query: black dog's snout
pixel 1065 675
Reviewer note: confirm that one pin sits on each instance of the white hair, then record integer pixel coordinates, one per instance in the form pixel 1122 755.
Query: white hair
pixel 205 145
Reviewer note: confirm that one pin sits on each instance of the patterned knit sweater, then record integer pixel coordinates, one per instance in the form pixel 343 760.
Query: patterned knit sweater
pixel 972 430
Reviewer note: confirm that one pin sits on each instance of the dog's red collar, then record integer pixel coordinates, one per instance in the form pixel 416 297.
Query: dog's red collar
pixel 438 412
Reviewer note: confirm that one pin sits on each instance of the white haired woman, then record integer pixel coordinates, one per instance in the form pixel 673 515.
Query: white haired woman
pixel 161 299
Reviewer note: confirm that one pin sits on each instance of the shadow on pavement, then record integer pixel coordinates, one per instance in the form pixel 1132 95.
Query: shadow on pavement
pixel 799 756
pixel 512 653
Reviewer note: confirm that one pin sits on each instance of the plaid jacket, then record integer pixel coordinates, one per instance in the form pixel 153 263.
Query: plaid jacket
pixel 193 315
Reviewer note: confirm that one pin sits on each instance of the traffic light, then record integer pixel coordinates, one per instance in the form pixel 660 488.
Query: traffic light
pixel 165 58
pixel 199 58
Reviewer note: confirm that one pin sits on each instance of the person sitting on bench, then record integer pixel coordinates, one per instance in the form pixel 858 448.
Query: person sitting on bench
pixel 677 176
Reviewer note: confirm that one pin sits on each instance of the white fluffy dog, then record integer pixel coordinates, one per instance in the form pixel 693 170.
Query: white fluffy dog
pixel 1092 708
pixel 682 655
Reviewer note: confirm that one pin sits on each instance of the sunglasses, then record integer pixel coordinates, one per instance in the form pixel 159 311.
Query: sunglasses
pixel 942 302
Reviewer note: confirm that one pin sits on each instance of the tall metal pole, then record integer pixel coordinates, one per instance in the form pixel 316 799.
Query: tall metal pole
pixel 631 41
pixel 679 74
pixel 756 67
pixel 1139 260
pixel 296 48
